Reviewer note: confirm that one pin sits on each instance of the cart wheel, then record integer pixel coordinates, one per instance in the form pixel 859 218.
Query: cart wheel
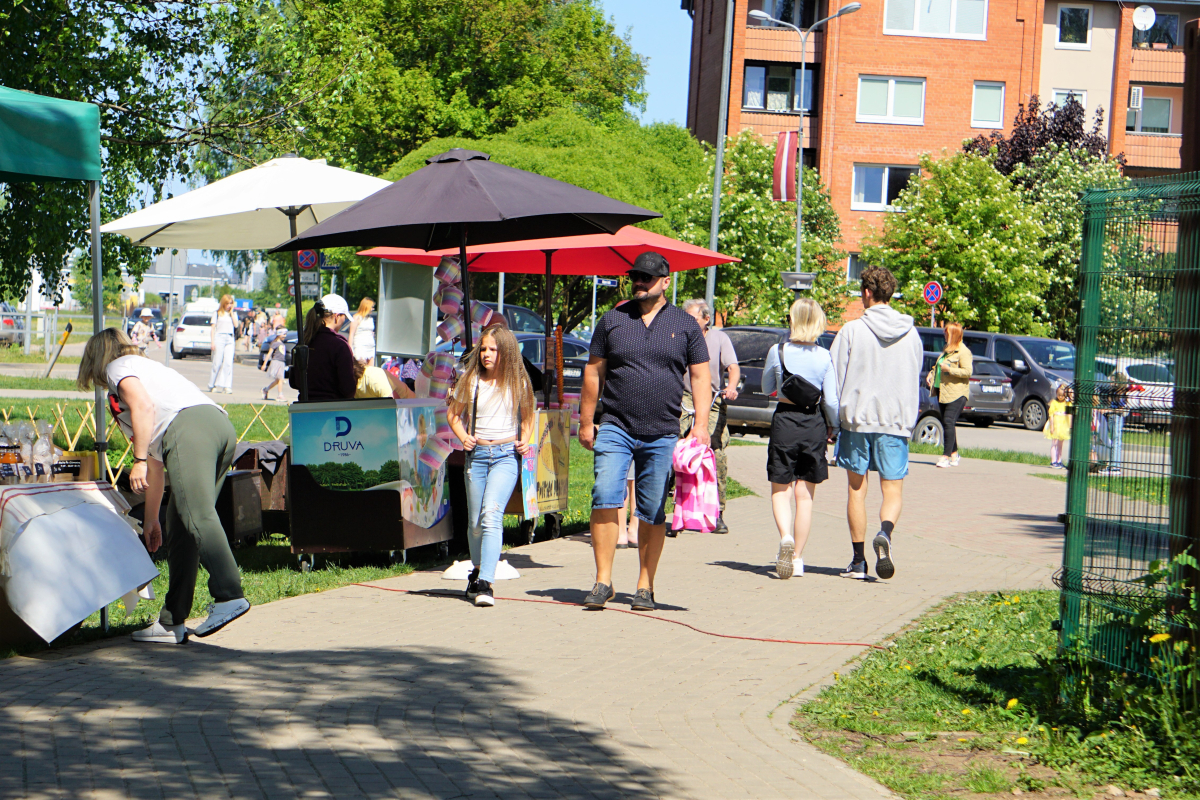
pixel 554 525
pixel 444 550
pixel 529 530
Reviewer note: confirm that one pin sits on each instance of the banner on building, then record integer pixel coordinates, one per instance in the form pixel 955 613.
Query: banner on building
pixel 787 150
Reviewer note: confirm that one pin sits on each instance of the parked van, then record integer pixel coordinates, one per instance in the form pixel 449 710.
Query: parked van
pixel 1035 364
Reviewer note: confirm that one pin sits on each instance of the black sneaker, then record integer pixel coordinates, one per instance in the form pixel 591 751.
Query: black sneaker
pixel 643 600
pixel 884 567
pixel 601 593
pixel 857 570
pixel 671 534
pixel 473 584
pixel 721 526
pixel 483 596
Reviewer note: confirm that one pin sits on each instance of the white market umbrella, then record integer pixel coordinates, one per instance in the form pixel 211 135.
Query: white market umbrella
pixel 251 209
pixel 255 209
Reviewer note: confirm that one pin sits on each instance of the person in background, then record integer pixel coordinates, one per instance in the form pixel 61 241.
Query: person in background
pixel 722 358
pixel 629 521
pixel 800 373
pixel 277 317
pixel 494 393
pixel 878 361
pixel 639 353
pixel 221 333
pixel 330 361
pixel 950 378
pixel 172 425
pixel 1117 400
pixel 143 331
pixel 1058 424
pixel 362 331
pixel 375 381
pixel 275 363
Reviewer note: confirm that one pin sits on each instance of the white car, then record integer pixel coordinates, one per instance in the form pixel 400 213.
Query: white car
pixel 1151 391
pixel 193 335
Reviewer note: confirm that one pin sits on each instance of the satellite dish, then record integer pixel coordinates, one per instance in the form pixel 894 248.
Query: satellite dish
pixel 1143 18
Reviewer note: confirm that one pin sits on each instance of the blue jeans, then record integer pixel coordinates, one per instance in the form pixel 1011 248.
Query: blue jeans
pixel 492 472
pixel 651 457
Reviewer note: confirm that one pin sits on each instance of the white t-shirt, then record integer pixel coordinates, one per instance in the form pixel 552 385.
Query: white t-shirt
pixel 495 417
pixel 170 391
pixel 225 323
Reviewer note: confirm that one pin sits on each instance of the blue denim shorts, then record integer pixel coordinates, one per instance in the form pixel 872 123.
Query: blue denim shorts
pixel 884 453
pixel 651 457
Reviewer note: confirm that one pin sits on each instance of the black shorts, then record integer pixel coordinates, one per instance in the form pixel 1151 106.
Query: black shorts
pixel 796 451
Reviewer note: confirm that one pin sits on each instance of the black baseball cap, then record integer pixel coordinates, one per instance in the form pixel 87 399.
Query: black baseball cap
pixel 653 264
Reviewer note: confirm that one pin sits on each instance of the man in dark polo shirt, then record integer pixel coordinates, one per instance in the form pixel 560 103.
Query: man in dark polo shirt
pixel 640 352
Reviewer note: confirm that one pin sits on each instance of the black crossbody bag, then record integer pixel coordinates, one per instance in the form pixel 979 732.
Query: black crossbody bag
pixel 802 393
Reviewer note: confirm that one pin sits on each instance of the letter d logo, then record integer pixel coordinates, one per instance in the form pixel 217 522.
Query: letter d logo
pixel 338 423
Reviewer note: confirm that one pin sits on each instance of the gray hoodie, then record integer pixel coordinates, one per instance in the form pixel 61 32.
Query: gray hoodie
pixel 878 362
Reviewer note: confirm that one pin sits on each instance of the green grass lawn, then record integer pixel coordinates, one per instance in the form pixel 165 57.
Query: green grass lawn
pixel 44 384
pixel 14 355
pixel 987 454
pixel 1150 489
pixel 965 701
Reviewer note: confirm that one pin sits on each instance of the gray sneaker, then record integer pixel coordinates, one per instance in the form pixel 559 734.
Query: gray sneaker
pixel 884 567
pixel 643 600
pixel 857 570
pixel 783 561
pixel 601 593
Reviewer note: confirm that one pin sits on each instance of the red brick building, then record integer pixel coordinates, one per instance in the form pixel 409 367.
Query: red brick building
pixel 900 78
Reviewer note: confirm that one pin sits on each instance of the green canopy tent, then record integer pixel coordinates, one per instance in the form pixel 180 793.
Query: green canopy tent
pixel 47 139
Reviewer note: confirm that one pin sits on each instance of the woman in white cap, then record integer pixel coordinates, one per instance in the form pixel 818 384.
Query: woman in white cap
pixel 330 360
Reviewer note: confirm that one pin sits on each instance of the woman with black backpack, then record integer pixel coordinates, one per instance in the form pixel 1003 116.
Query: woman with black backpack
pixel 801 373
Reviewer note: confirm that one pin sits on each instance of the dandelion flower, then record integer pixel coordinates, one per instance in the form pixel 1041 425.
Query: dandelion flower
pixel 961 739
pixel 966 712
pixel 1159 638
pixel 1022 740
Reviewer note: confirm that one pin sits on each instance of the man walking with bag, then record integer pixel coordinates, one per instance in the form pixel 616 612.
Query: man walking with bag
pixel 878 362
pixel 640 353
pixel 721 358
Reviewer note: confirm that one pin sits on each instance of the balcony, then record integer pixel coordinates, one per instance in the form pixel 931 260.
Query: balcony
pixel 1153 150
pixel 781 45
pixel 768 124
pixel 1156 66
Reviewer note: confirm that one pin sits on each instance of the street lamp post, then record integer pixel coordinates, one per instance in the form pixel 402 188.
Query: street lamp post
pixel 849 8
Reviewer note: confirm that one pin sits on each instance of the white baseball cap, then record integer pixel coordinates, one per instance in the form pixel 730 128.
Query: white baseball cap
pixel 335 304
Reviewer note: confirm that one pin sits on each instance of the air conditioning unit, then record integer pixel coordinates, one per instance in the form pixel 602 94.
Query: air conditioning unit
pixel 1135 97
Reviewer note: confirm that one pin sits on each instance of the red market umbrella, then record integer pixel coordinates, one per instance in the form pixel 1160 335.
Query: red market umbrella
pixel 591 254
pixel 594 254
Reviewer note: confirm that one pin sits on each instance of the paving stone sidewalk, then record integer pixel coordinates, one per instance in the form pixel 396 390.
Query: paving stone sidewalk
pixel 366 693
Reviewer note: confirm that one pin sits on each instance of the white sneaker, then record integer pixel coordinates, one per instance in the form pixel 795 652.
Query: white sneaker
pixel 221 614
pixel 943 463
pixel 162 634
pixel 798 567
pixel 783 561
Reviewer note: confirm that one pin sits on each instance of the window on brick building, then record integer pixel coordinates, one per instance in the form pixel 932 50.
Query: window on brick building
pixel 899 101
pixel 796 12
pixel 854 267
pixel 775 87
pixel 1074 27
pixel 1164 31
pixel 1153 117
pixel 876 187
pixel 987 106
pixel 1061 95
pixel 947 19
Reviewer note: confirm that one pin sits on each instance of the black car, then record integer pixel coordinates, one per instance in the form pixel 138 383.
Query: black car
pixel 289 343
pixel 575 355
pixel 751 411
pixel 991 398
pixel 1035 365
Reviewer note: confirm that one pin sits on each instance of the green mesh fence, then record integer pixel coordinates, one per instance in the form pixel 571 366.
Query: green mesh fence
pixel 1132 493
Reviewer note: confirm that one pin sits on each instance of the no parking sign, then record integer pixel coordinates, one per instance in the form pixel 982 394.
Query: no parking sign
pixel 932 294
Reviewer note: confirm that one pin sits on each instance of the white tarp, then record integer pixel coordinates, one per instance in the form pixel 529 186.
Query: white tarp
pixel 66 550
pixel 242 211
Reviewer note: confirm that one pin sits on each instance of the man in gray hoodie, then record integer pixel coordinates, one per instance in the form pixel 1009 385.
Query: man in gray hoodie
pixel 877 358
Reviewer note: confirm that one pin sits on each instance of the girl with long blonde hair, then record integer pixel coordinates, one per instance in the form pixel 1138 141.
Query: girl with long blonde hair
pixel 492 412
pixel 221 333
pixel 362 331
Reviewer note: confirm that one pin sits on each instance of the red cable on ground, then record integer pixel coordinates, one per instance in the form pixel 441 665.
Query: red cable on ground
pixel 431 593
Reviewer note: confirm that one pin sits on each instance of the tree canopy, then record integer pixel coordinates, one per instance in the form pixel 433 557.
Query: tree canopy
pixel 1036 130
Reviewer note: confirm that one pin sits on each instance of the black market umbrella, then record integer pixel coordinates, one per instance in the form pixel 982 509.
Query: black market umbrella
pixel 462 197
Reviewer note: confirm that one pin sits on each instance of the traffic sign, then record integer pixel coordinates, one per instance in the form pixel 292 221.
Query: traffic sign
pixel 932 292
pixel 329 267
pixel 310 277
pixel 307 259
pixel 310 290
pixel 606 281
